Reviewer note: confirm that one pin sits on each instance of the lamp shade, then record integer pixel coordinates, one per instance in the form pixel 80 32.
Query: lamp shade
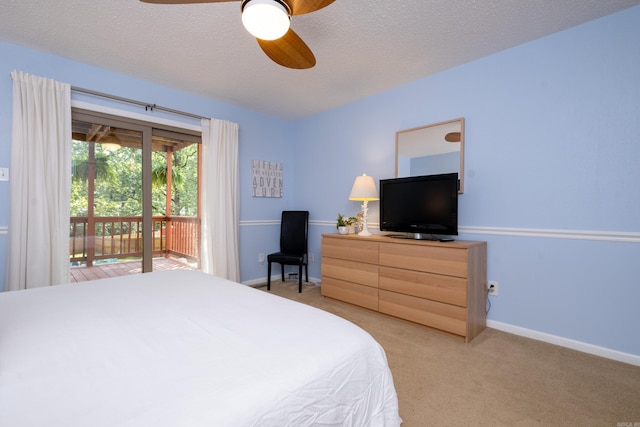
pixel 364 189
pixel 266 19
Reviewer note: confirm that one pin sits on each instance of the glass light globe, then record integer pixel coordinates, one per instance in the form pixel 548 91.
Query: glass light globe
pixel 265 19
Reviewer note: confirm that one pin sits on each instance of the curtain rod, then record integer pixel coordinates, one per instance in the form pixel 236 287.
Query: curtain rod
pixel 147 106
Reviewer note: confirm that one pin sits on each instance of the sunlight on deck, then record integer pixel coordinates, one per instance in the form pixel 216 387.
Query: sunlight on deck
pixel 115 269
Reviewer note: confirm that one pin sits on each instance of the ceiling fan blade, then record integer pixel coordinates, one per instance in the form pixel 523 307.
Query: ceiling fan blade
pixel 300 7
pixel 452 137
pixel 185 1
pixel 289 51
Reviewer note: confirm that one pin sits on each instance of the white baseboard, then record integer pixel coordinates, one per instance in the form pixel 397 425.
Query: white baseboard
pixel 565 342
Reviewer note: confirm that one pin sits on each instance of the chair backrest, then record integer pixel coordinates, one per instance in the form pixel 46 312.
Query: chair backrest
pixel 294 230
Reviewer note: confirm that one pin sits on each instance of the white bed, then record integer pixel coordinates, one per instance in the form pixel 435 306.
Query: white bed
pixel 182 348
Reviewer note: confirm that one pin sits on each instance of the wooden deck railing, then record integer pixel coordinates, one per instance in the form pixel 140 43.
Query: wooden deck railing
pixel 121 237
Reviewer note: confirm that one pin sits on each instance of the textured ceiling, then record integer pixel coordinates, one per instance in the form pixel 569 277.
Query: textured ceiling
pixel 362 47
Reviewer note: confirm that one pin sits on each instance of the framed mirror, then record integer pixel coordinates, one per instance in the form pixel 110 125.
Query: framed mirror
pixel 432 149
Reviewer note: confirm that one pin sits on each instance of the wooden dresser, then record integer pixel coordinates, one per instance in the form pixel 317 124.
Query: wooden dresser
pixel 437 284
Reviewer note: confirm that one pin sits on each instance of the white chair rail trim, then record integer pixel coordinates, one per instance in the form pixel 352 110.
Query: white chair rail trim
pixel 257 223
pixel 612 236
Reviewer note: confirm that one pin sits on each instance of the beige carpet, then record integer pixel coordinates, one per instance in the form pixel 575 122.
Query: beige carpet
pixel 498 379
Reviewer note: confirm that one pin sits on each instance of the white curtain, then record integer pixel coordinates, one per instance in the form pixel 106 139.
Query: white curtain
pixel 40 183
pixel 220 205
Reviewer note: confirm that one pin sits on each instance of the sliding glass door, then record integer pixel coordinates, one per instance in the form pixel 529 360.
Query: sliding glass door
pixel 134 201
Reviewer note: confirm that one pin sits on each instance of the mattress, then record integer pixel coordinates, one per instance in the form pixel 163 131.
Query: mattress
pixel 183 348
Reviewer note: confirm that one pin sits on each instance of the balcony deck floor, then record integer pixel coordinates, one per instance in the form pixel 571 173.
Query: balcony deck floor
pixel 115 269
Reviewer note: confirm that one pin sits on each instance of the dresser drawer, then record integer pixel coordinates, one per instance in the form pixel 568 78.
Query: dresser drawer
pixel 350 271
pixel 436 287
pixel 364 296
pixel 431 259
pixel 449 318
pixel 352 250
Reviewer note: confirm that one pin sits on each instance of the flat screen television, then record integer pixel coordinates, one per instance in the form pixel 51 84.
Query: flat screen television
pixel 426 206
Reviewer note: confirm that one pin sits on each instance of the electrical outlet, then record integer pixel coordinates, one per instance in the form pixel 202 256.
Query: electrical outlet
pixel 4 174
pixel 492 288
pixel 311 257
pixel 261 258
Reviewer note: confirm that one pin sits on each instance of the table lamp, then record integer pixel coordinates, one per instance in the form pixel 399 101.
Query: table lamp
pixel 364 190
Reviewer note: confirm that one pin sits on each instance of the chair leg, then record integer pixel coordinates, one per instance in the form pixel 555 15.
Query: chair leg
pixel 269 276
pixel 300 278
pixel 282 269
pixel 306 272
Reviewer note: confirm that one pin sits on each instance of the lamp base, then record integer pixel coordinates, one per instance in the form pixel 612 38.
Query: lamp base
pixel 365 231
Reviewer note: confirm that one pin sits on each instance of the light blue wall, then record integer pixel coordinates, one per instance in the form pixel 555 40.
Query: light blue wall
pixel 551 131
pixel 551 143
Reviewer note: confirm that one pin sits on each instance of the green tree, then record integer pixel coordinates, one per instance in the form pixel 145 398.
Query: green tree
pixel 184 177
pixel 118 183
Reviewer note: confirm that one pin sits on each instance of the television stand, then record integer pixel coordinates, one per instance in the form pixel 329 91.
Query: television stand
pixel 420 236
pixel 424 236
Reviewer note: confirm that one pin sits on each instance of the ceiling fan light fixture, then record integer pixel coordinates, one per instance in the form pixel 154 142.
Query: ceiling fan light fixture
pixel 266 19
pixel 110 146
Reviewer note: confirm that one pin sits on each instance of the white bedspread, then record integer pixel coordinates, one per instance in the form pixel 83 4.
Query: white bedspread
pixel 182 348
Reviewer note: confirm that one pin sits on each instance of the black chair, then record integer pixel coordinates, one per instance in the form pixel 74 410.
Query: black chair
pixel 294 232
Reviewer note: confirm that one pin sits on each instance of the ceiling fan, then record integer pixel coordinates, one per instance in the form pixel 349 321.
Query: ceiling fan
pixel 268 21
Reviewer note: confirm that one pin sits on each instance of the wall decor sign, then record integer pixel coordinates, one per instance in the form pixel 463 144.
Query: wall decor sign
pixel 266 178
